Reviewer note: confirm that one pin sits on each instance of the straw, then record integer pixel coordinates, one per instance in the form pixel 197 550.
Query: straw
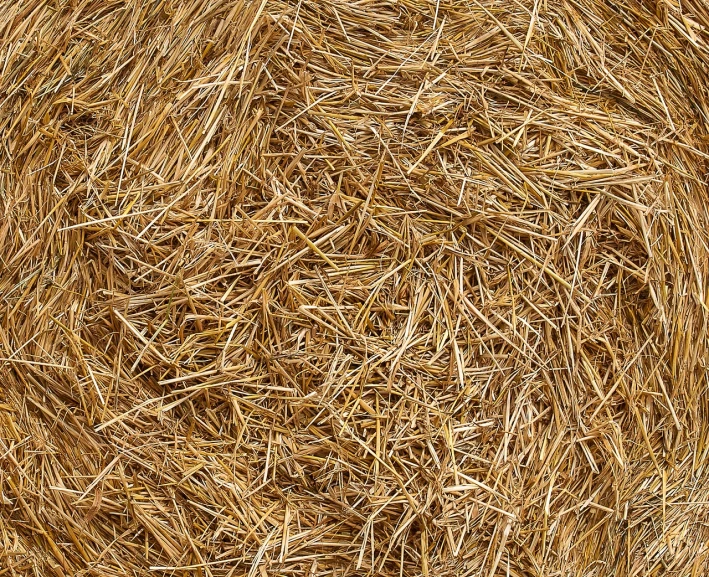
pixel 327 288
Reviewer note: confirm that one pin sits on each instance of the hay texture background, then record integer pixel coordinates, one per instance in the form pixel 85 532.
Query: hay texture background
pixel 316 288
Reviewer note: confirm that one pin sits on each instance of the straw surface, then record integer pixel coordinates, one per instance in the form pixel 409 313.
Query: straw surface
pixel 319 287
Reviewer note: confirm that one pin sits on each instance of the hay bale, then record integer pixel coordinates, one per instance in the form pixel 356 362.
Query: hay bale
pixel 318 287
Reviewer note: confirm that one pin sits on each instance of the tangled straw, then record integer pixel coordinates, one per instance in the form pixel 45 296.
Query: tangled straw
pixel 331 288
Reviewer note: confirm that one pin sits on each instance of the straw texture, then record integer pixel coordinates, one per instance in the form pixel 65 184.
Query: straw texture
pixel 331 288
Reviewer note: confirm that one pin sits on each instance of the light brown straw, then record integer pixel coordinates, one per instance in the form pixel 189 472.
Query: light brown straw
pixel 332 288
